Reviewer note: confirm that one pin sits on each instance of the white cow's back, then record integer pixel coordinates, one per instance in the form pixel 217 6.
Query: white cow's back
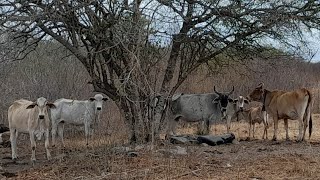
pixel 73 111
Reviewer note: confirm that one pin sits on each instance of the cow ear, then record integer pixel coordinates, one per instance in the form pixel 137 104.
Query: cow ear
pixel 31 105
pixel 51 105
pixel 246 101
pixel 105 99
pixel 92 99
pixel 230 100
pixel 216 100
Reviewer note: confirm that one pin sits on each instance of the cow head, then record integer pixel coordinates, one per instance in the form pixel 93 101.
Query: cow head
pixel 223 99
pixel 41 105
pixel 240 102
pixel 98 100
pixel 257 93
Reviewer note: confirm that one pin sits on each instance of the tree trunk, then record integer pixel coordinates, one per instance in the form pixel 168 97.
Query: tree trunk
pixel 136 118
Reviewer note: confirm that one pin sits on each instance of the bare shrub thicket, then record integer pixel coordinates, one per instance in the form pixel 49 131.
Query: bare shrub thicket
pixel 49 71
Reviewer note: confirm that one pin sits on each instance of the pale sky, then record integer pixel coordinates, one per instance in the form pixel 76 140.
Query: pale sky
pixel 314 45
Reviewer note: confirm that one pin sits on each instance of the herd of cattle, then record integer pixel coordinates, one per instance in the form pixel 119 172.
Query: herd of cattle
pixel 294 105
pixel 212 107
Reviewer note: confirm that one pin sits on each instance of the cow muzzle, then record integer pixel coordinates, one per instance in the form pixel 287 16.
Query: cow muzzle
pixel 224 112
pixel 241 109
pixel 41 116
pixel 99 108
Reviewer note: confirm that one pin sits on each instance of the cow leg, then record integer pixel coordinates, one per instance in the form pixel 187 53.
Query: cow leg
pixel 207 124
pixel 33 146
pixel 13 140
pixel 250 129
pixel 201 127
pixel 54 133
pixel 228 124
pixel 300 138
pixel 86 131
pixel 286 128
pixel 265 123
pixel 265 131
pixel 47 144
pixel 275 119
pixel 253 129
pixel 305 125
pixel 60 133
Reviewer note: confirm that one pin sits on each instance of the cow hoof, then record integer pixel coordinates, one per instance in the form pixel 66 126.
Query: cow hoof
pixel 287 139
pixel 274 139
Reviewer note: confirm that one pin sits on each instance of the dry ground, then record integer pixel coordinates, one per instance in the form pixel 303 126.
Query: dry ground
pixel 255 159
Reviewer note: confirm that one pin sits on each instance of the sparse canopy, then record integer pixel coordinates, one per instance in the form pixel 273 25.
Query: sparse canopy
pixel 132 49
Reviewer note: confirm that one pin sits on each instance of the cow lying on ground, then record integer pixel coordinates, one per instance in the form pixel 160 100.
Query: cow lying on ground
pixel 29 117
pixel 75 112
pixel 3 128
pixel 255 115
pixel 294 105
pixel 198 107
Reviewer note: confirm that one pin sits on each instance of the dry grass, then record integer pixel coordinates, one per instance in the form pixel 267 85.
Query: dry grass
pixel 248 160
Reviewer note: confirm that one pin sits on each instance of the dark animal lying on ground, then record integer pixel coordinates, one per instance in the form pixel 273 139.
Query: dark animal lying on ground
pixel 3 128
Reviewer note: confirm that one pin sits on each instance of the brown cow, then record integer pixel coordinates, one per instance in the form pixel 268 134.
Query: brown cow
pixel 255 115
pixel 295 105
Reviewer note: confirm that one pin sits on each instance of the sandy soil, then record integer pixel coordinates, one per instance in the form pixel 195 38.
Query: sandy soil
pixel 254 159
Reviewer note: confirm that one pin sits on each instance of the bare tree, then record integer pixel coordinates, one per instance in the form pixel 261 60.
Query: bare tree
pixel 116 41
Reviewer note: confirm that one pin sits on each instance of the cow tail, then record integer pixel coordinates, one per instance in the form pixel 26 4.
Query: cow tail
pixel 310 126
pixel 308 113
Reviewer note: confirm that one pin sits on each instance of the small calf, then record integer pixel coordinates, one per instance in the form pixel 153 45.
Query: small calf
pixel 255 115
pixel 29 117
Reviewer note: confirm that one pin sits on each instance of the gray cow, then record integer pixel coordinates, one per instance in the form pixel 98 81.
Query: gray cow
pixel 234 109
pixel 198 107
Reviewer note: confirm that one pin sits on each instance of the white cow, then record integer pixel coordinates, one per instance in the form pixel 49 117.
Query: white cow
pixel 75 112
pixel 29 117
pixel 233 109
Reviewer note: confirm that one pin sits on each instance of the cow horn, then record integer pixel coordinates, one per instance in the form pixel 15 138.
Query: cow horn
pixel 214 88
pixel 231 90
pixel 261 84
